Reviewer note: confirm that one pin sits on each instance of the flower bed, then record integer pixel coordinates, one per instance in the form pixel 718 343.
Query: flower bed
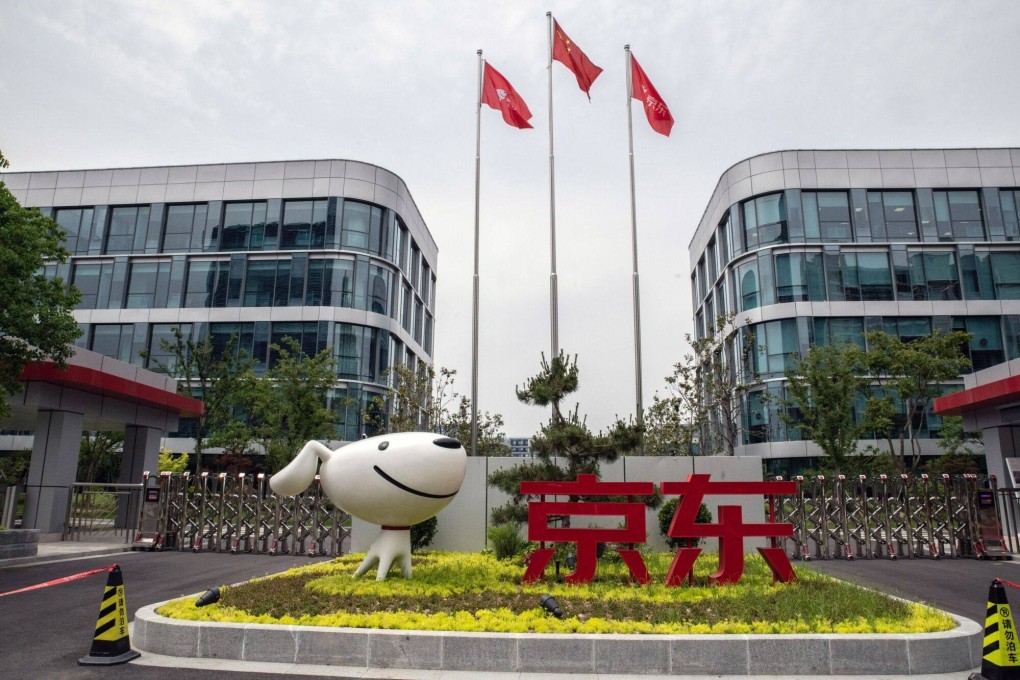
pixel 476 592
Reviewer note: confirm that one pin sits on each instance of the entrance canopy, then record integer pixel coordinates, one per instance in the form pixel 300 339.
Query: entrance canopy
pixel 109 394
pixel 93 393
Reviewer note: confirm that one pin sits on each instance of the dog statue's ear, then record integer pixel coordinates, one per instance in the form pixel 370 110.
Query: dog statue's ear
pixel 300 472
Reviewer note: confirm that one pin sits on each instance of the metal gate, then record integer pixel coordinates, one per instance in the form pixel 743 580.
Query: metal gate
pixel 102 512
pixel 239 513
pixel 904 516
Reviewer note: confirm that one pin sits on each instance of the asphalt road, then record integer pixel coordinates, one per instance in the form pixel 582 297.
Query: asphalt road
pixel 959 586
pixel 46 631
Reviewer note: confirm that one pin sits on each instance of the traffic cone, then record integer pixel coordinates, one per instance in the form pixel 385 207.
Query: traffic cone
pixel 1000 659
pixel 111 644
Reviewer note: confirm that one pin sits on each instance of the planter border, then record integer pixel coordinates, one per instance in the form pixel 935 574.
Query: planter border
pixel 805 654
pixel 15 543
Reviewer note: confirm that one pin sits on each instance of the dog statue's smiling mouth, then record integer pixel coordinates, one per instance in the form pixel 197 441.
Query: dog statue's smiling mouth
pixel 408 489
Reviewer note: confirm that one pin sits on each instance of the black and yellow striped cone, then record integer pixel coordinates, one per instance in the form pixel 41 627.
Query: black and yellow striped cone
pixel 1000 659
pixel 111 644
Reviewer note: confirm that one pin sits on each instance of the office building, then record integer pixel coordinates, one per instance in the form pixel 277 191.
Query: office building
pixel 814 247
pixel 332 253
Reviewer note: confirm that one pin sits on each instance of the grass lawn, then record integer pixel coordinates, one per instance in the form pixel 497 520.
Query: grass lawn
pixel 477 592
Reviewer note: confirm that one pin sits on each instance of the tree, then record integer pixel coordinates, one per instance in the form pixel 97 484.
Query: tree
pixel 35 316
pixel 822 389
pixel 99 457
pixel 702 403
pixel 289 405
pixel 958 452
pixel 171 462
pixel 424 401
pixel 908 377
pixel 564 436
pixel 215 377
pixel 14 467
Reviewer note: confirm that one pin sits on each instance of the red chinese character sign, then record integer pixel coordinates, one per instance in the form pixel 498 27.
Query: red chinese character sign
pixel 585 538
pixel 730 530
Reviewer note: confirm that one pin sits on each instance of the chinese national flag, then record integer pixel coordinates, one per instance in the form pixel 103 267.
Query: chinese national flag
pixel 658 113
pixel 500 95
pixel 570 55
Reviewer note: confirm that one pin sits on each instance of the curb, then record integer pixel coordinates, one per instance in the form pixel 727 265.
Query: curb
pixel 808 654
pixel 60 557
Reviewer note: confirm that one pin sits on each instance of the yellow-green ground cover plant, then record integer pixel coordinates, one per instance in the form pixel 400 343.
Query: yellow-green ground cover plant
pixel 476 592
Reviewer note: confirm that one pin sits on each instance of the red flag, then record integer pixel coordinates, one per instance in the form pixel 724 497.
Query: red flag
pixel 570 55
pixel 658 113
pixel 500 95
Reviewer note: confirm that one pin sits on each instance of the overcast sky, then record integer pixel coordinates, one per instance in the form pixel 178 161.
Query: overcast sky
pixel 109 84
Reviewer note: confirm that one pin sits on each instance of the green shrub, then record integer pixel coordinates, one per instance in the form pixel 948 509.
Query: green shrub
pixel 506 540
pixel 423 533
pixel 666 513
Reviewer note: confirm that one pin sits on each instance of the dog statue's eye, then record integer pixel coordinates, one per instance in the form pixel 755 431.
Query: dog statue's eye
pixel 383 446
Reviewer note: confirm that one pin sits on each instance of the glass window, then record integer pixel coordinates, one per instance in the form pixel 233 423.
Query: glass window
pixel 415 267
pixel 380 237
pixel 934 276
pixel 185 225
pixel 113 340
pixel 360 222
pixel 380 280
pixel 159 358
pixel 958 214
pixel 77 225
pixel 799 277
pixel 710 257
pixel 827 216
pixel 405 246
pixel 756 424
pixel 260 283
pixel 860 276
pixel 1005 270
pixel 893 215
pixel 780 346
pixel 747 284
pixel 724 242
pixel 86 278
pixel 838 331
pixel 765 220
pixel 907 329
pixel 243 226
pixel 304 224
pixel 125 222
pixel 143 282
pixel 1009 199
pixel 875 276
pixel 348 350
pixel 406 309
pixel 985 346
pixel 207 284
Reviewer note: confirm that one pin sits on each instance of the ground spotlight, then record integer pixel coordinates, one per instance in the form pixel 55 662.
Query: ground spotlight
pixel 549 604
pixel 211 596
pixel 571 561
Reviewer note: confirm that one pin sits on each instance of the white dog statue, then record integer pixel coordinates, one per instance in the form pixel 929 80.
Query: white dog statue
pixel 393 480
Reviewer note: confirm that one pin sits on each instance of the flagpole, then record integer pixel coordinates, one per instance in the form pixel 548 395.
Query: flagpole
pixel 474 301
pixel 554 311
pixel 634 252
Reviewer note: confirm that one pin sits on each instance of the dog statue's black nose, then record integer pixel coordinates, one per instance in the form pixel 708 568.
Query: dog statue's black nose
pixel 447 443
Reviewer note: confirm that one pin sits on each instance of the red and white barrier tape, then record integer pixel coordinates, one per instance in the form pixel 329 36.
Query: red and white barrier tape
pixel 65 579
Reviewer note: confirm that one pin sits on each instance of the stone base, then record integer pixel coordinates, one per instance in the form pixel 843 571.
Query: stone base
pixel 19 543
pixel 817 654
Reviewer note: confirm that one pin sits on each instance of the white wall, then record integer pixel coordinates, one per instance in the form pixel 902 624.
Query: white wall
pixel 462 525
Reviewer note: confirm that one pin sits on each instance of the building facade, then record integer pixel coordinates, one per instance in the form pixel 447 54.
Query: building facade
pixel 331 253
pixel 814 247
